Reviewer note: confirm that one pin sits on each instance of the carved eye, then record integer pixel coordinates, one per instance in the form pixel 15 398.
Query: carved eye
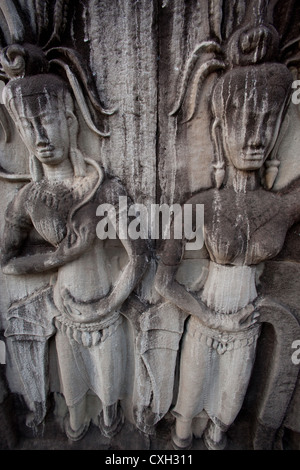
pixel 25 124
pixel 47 119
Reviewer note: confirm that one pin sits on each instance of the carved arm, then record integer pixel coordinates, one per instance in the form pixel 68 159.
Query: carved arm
pixel 72 246
pixel 129 278
pixel 171 290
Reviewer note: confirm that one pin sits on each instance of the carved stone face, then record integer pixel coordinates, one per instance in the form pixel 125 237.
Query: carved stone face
pixel 250 113
pixel 44 127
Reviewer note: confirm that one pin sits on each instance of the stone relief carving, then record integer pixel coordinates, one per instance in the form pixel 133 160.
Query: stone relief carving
pixel 190 345
pixel 61 205
pixel 248 106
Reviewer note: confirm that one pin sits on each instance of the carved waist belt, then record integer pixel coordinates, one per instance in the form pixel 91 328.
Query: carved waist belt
pixel 222 341
pixel 89 334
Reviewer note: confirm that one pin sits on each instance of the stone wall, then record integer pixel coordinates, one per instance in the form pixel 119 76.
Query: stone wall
pixel 110 109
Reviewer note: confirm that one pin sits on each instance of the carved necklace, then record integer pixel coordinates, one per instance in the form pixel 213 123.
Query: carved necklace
pixel 59 195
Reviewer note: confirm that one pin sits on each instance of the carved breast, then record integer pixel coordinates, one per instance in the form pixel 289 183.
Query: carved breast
pixel 49 206
pixel 48 209
pixel 239 228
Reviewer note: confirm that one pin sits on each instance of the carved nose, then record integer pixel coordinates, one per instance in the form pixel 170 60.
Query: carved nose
pixel 41 137
pixel 256 146
pixel 257 141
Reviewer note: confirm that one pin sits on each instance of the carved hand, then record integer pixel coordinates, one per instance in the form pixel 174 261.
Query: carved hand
pixel 84 312
pixel 240 320
pixel 177 294
pixel 93 311
pixel 73 245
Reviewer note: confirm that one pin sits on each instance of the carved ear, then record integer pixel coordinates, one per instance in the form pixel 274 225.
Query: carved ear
pixel 272 168
pixel 219 165
pixel 272 164
pixel 72 125
pixel 76 157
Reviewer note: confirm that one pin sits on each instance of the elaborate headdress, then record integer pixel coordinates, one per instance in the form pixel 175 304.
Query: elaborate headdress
pixel 252 42
pixel 36 51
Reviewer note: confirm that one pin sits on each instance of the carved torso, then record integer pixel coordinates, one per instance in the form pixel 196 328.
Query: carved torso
pixel 51 207
pixel 239 234
pixel 240 227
